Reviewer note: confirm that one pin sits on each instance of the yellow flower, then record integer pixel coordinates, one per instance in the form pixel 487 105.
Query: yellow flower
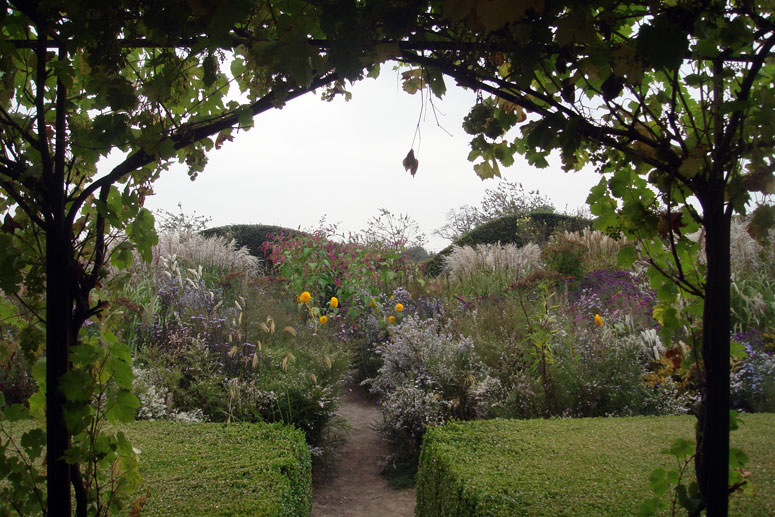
pixel 372 303
pixel 334 303
pixel 323 320
pixel 392 319
pixel 399 307
pixel 598 320
pixel 305 297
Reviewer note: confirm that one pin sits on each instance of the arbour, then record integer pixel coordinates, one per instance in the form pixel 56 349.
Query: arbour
pixel 149 80
pixel 672 101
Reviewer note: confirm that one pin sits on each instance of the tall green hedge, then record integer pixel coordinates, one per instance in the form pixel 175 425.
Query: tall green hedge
pixel 252 236
pixel 574 466
pixel 516 229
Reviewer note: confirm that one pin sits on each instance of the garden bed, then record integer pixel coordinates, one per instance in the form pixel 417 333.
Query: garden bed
pixel 214 469
pixel 588 466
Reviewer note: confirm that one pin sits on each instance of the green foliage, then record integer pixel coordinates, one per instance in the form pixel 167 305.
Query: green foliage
pixel 564 256
pixel 252 236
pixel 214 469
pixel 569 466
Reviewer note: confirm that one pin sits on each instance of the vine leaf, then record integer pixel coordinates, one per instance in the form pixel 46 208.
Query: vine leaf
pixel 410 163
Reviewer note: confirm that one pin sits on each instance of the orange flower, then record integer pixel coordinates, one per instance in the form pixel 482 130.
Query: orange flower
pixel 399 307
pixel 598 320
pixel 392 319
pixel 334 303
pixel 323 320
pixel 305 297
pixel 372 303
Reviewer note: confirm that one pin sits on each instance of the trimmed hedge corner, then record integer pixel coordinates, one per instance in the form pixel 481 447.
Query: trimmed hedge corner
pixel 516 229
pixel 214 469
pixel 588 466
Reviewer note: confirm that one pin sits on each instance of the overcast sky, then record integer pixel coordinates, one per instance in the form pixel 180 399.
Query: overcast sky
pixel 343 160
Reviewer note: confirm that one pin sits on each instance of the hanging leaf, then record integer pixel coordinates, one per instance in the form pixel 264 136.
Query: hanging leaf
pixel 410 162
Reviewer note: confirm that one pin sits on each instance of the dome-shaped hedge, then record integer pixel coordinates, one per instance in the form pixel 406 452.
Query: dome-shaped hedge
pixel 516 229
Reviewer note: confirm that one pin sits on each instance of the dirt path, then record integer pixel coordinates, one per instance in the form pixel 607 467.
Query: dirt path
pixel 354 487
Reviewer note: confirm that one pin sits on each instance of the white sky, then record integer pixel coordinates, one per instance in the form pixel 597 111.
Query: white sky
pixel 343 160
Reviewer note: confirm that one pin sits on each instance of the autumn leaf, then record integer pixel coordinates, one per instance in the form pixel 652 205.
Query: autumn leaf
pixel 410 162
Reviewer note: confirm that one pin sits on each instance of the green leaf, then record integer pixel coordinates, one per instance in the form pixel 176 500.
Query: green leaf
pixel 77 386
pixel 662 43
pixel 142 233
pixel 124 407
pixel 627 256
pixel 77 416
pixel 681 449
pixel 245 117
pixel 737 350
pixel 121 255
pixel 650 507
pixel 16 412
pixel 486 170
pixel 762 219
pixel 10 265
pixel 34 441
pixel 657 481
pixel 209 70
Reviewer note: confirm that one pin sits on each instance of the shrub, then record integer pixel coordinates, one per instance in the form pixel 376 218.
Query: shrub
pixel 252 236
pixel 594 467
pixel 426 378
pixel 212 469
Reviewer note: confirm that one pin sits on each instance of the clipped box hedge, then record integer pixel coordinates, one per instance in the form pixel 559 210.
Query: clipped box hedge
pixel 214 469
pixel 589 466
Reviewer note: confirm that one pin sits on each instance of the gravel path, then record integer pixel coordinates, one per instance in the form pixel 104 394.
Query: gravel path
pixel 354 486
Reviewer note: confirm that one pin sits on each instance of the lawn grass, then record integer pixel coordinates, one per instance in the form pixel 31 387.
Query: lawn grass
pixel 589 466
pixel 214 469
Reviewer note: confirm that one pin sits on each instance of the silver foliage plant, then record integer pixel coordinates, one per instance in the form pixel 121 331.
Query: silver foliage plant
pixel 428 375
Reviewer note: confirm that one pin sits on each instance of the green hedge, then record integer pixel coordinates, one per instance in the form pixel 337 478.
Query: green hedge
pixel 516 229
pixel 214 469
pixel 252 236
pixel 589 466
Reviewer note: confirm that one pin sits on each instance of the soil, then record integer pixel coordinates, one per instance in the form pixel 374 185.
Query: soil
pixel 353 487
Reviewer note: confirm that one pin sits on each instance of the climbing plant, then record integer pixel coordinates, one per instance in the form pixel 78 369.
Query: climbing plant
pixel 672 103
pixel 135 84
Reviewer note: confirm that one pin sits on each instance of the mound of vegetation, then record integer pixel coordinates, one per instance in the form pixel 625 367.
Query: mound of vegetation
pixel 511 229
pixel 251 236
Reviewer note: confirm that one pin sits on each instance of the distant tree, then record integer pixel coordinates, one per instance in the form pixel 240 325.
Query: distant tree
pixel 672 102
pixel 507 198
pixel 394 230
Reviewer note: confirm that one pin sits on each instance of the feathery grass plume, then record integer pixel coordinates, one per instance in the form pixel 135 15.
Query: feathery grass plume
pixel 197 250
pixel 465 261
pixel 602 250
